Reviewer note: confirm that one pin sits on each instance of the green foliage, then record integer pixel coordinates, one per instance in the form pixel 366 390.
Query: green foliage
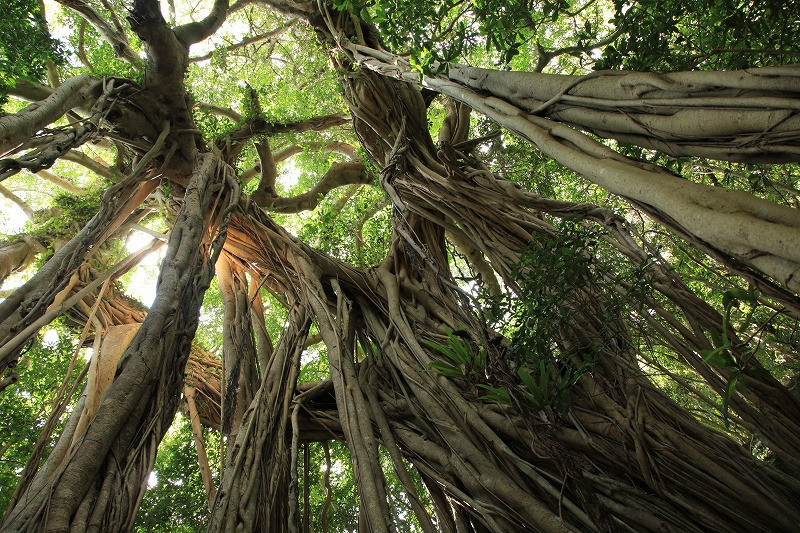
pixel 718 34
pixel 357 232
pixel 25 405
pixel 67 214
pixel 101 56
pixel 343 511
pixel 342 515
pixel 433 34
pixel 553 275
pixel 462 361
pixel 178 501
pixel 722 356
pixel 25 44
pixel 211 125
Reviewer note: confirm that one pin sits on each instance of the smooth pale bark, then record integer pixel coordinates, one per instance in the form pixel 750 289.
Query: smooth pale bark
pixel 749 115
pixel 102 368
pixel 16 256
pixel 20 127
pixel 755 232
pixel 240 375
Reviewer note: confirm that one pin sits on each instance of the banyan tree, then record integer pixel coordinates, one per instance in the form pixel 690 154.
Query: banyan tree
pixel 536 295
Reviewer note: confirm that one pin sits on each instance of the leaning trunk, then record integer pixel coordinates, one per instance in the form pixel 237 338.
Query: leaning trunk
pixel 99 483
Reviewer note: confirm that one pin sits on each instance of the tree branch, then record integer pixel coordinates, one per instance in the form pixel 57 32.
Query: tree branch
pixel 84 160
pixel 349 173
pixel 82 46
pixel 285 153
pixel 269 171
pixel 545 57
pixel 221 111
pixel 270 35
pixel 61 182
pixel 118 40
pixel 19 127
pixel 259 126
pixel 194 32
pixel 29 90
pixel 22 204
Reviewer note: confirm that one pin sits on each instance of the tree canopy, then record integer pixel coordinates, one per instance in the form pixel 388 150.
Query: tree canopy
pixel 370 265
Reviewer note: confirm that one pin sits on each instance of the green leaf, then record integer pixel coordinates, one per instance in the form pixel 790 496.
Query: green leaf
pixel 445 369
pixel 498 394
pixel 729 390
pixel 719 358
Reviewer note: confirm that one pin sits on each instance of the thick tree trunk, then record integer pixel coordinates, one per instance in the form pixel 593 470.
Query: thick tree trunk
pixel 239 362
pixel 254 487
pixel 547 469
pixel 100 482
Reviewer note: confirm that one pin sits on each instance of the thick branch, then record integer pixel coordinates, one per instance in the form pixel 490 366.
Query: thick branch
pixel 350 173
pixel 167 55
pixel 61 182
pixel 19 127
pixel 17 256
pixel 30 90
pixel 259 126
pixel 194 32
pixel 269 171
pixel 22 204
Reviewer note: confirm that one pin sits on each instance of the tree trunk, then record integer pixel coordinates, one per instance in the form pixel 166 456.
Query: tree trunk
pixel 100 482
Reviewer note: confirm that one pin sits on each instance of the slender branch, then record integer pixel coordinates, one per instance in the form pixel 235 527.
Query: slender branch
pixel 82 46
pixel 118 40
pixel 333 146
pixel 259 126
pixel 61 182
pixel 22 204
pixel 84 160
pixel 350 173
pixel 285 153
pixel 545 57
pixel 202 457
pixel 244 42
pixel 217 110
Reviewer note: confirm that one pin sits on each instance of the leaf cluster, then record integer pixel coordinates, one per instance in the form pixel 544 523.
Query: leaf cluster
pixel 718 34
pixel 26 404
pixel 67 214
pixel 25 44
